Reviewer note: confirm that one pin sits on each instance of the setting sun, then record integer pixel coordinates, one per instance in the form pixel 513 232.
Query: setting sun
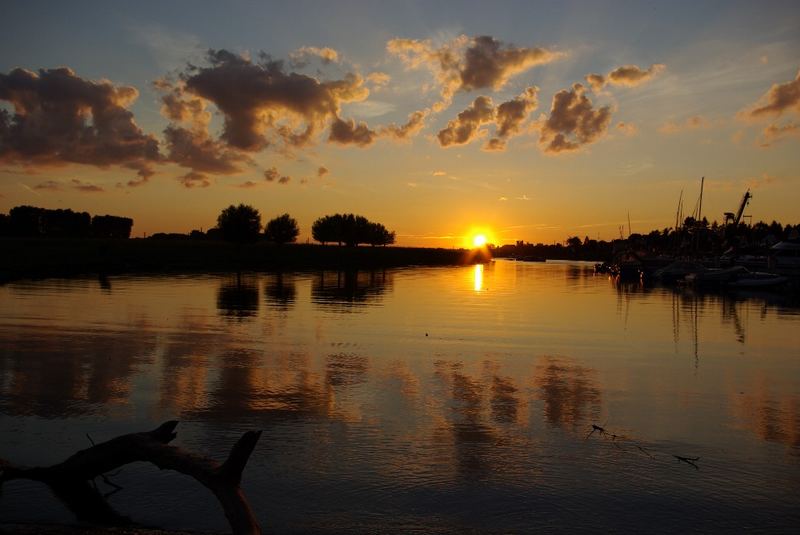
pixel 479 240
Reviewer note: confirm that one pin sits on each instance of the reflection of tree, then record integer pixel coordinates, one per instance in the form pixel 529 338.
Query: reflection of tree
pixel 280 291
pixel 569 391
pixel 473 438
pixel 237 300
pixel 345 370
pixel 504 400
pixel 62 375
pixel 347 289
pixel 771 417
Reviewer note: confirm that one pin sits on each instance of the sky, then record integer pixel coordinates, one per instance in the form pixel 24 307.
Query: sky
pixel 528 121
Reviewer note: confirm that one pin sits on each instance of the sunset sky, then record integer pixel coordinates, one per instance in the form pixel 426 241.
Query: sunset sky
pixel 523 120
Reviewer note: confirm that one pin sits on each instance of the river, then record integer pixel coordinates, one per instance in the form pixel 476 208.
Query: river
pixel 429 400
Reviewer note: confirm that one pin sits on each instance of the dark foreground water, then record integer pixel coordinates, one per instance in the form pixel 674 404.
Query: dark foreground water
pixel 421 400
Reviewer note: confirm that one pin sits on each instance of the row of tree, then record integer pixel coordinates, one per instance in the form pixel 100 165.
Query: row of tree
pixel 31 221
pixel 242 224
pixel 691 239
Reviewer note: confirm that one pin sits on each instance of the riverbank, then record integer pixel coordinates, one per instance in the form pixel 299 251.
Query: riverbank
pixel 51 257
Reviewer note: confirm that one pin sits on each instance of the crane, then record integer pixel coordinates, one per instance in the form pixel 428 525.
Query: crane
pixel 731 218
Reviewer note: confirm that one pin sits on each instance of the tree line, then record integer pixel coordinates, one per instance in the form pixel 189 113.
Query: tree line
pixel 690 239
pixel 242 224
pixel 32 221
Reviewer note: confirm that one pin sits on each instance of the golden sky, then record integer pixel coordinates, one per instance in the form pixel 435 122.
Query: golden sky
pixel 523 121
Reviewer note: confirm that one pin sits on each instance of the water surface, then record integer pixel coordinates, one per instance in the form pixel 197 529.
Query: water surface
pixel 417 400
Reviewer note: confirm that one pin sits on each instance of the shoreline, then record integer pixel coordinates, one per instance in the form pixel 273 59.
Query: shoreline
pixel 38 258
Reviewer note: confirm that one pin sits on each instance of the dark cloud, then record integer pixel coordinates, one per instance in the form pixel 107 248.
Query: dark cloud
pixel 322 171
pixel 780 98
pixel 627 75
pixel 466 126
pixel 573 121
pixel 272 175
pixel 469 63
pixel 509 117
pixel 86 187
pixel 193 179
pixel 60 118
pixel 196 150
pixel 260 100
pixel 49 185
pixel 348 132
pixel 248 184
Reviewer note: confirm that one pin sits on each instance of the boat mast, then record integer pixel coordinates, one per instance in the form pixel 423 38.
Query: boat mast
pixel 700 208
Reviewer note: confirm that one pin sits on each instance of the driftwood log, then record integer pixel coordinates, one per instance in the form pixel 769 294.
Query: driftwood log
pixel 72 481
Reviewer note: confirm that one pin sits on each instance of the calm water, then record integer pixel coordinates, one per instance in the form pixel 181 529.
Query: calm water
pixel 421 400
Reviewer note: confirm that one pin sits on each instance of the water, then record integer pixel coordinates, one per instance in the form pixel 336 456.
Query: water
pixel 441 400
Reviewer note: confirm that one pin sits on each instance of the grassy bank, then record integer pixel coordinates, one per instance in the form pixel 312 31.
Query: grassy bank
pixel 49 257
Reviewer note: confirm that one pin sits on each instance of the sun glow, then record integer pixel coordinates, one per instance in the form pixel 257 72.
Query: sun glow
pixel 479 240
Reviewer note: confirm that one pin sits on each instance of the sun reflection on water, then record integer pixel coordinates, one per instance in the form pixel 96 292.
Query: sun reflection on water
pixel 478 277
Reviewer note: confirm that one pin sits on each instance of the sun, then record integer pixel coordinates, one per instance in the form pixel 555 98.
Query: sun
pixel 479 240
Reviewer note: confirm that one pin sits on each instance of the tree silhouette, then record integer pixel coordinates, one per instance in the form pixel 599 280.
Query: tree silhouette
pixel 282 229
pixel 240 224
pixel 351 230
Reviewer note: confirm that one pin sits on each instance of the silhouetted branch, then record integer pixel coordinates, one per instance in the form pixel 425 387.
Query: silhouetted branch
pixel 70 479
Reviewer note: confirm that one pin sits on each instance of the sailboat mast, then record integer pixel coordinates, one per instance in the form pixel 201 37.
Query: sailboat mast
pixel 700 208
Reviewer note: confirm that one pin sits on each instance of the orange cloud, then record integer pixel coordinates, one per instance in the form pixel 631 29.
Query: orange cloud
pixel 627 76
pixel 573 122
pixel 466 126
pixel 774 133
pixel 691 123
pixel 60 118
pixel 272 175
pixel 780 98
pixel 469 63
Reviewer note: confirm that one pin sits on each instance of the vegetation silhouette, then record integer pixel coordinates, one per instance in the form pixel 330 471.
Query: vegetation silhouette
pixel 239 224
pixel 349 288
pixel 282 229
pixel 32 221
pixel 350 230
pixel 237 300
pixel 280 291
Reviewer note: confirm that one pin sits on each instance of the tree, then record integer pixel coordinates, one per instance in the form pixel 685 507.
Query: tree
pixel 351 230
pixel 240 224
pixel 379 235
pixel 282 229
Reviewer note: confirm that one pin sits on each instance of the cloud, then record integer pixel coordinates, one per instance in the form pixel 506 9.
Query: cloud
pixel 301 56
pixel 86 187
pixel 272 175
pixel 260 101
pixel 694 122
pixel 439 173
pixel 49 185
pixel 627 129
pixel 193 179
pixel 60 118
pixel 780 98
pixel 348 132
pixel 322 171
pixel 469 63
pixel 466 126
pixel 502 199
pixel 573 121
pixel 627 76
pixel 510 115
pixel 248 184
pixel 415 123
pixel 760 182
pixel 774 133
pixel 378 79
